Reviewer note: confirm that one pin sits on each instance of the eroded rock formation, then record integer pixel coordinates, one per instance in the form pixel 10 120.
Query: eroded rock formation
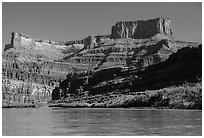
pixel 182 67
pixel 35 68
pixel 142 29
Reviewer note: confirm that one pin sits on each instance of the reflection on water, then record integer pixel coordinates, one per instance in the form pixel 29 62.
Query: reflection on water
pixel 85 121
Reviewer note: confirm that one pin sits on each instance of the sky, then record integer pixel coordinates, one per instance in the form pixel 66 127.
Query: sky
pixel 75 21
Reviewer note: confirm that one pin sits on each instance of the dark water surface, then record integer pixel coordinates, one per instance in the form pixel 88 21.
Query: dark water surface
pixel 86 121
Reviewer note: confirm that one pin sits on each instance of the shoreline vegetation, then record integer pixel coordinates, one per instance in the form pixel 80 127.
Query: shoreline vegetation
pixel 182 97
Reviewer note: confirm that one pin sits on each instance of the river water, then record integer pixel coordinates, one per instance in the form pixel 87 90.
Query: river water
pixel 89 121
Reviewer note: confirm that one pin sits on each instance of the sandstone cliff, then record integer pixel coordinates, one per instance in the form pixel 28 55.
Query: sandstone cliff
pixel 142 29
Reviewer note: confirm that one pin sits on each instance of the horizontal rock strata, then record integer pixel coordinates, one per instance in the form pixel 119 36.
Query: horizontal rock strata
pixel 142 29
pixel 34 69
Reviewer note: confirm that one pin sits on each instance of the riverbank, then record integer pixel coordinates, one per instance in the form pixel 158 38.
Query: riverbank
pixel 22 105
pixel 74 105
pixel 19 106
pixel 128 108
pixel 181 97
pixel 92 107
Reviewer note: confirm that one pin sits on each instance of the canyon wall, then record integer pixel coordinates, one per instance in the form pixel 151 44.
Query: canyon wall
pixel 33 68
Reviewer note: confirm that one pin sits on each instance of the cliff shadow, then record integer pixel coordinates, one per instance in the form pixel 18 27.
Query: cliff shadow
pixel 8 46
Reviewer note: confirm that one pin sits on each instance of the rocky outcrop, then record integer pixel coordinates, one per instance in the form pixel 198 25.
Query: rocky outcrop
pixel 43 49
pixel 89 42
pixel 142 29
pixel 92 42
pixel 15 36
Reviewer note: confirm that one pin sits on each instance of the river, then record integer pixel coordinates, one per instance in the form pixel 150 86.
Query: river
pixel 96 121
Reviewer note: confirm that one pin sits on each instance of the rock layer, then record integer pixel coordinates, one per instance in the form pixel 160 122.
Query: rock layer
pixel 182 67
pixel 142 29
